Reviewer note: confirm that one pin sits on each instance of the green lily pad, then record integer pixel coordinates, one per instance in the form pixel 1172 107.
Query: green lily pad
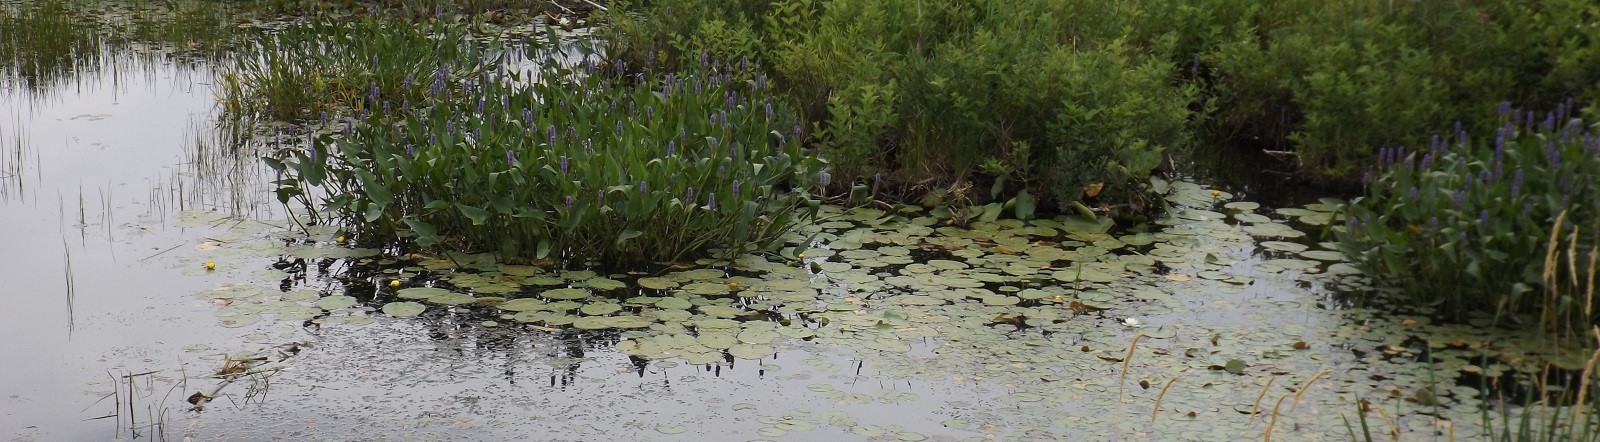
pixel 403 309
pixel 522 305
pixel 336 302
pixel 565 294
pixel 655 283
pixel 600 308
pixel 707 288
pixel 674 303
pixel 750 351
pixel 420 292
pixel 453 299
pixel 605 284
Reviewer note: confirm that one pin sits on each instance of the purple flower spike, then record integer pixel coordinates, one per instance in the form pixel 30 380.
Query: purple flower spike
pixel 511 157
pixel 411 150
pixel 769 111
pixel 735 187
pixel 711 201
pixel 563 164
pixel 761 82
pixel 552 132
pixel 1459 198
pixel 672 146
pixel 642 187
pixel 600 196
pixel 1505 108
pixel 650 111
pixel 713 141
pixel 1516 184
pixel 1483 218
pixel 569 201
pixel 688 195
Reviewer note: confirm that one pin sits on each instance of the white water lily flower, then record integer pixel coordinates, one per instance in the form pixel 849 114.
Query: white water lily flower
pixel 1130 322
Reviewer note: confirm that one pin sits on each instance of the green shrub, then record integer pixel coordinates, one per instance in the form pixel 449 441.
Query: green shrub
pixel 1332 80
pixel 929 91
pixel 576 164
pixel 1464 223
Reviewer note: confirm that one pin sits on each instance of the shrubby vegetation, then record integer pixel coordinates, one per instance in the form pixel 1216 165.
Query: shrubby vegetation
pixel 1059 95
pixel 1334 80
pixel 1045 97
pixel 576 163
pixel 1507 219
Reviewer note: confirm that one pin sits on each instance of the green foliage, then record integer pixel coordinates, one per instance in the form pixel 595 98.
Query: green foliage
pixel 1334 79
pixel 577 164
pixel 932 90
pixel 309 69
pixel 1464 223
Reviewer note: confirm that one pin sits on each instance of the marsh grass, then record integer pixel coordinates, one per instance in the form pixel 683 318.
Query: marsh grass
pixel 310 69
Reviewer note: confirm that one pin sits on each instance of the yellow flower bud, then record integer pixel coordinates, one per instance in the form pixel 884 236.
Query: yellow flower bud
pixel 211 265
pixel 394 283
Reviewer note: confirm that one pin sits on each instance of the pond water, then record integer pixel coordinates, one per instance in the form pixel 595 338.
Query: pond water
pixel 149 269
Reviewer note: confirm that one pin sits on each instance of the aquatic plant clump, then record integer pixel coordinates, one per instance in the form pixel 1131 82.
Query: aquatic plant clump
pixel 1508 220
pixel 305 71
pixel 569 162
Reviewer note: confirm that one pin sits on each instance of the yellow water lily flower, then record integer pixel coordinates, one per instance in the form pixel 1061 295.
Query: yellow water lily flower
pixel 211 265
pixel 394 283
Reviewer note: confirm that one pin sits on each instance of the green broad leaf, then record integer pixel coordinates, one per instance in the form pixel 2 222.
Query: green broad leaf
pixel 1025 205
pixel 543 248
pixel 530 213
pixel 477 215
pixel 374 211
pixel 426 235
pixel 436 205
pixel 627 235
pixel 991 212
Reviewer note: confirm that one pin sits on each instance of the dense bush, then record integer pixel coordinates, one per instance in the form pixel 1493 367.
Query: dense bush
pixel 1042 95
pixel 935 89
pixel 1508 219
pixel 576 164
pixel 1332 80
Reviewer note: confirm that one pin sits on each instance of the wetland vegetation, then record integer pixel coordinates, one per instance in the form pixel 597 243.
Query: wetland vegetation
pixel 878 220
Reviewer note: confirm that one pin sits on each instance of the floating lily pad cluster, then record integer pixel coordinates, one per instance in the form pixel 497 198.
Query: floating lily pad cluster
pixel 1036 316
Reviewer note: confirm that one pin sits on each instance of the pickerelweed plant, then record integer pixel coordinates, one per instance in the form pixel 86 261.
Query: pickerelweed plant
pixel 573 163
pixel 319 66
pixel 1472 222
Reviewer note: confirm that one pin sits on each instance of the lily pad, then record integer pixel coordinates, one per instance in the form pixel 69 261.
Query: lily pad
pixel 403 309
pixel 336 302
pixel 565 294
